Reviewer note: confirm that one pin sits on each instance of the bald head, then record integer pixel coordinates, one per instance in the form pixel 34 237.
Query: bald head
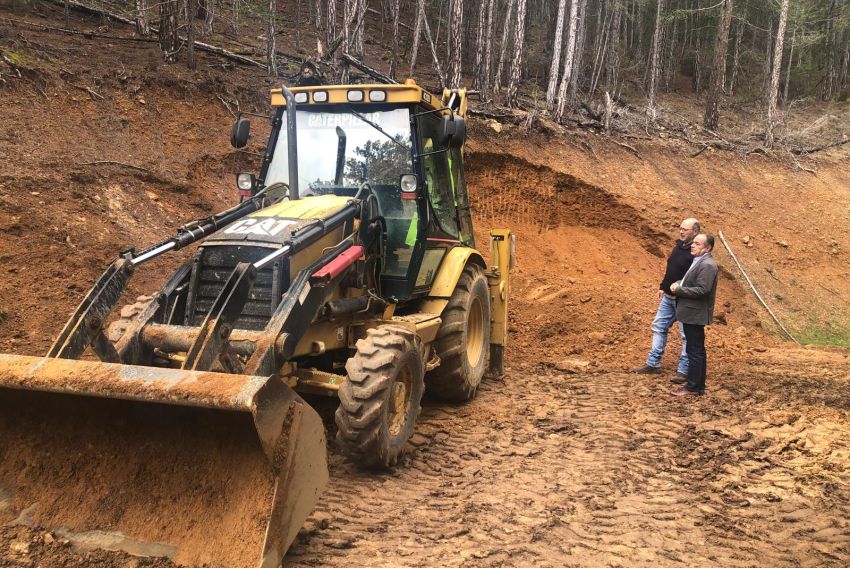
pixel 688 229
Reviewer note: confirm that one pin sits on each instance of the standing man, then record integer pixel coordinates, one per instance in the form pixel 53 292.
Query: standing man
pixel 695 307
pixel 677 264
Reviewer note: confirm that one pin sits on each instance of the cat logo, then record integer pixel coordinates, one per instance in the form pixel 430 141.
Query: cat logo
pixel 254 226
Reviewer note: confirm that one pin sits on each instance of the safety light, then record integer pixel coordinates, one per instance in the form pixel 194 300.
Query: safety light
pixel 408 183
pixel 301 98
pixel 377 96
pixel 246 183
pixel 320 97
pixel 355 96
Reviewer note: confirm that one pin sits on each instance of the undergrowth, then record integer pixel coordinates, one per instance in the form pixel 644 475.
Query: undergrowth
pixel 829 333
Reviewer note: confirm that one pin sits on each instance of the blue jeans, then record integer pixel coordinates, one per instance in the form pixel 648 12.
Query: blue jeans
pixel 664 319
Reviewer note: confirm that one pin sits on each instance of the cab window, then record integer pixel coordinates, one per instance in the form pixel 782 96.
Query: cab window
pixel 440 179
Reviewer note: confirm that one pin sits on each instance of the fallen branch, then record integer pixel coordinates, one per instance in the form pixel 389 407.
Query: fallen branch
pixel 227 106
pixel 113 162
pixel 753 288
pixel 799 166
pixel 198 44
pixel 700 151
pixel 76 32
pixel 800 151
pixel 88 90
pixel 630 148
pixel 368 70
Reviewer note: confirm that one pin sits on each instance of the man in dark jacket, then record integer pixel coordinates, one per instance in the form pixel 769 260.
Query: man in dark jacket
pixel 695 296
pixel 677 264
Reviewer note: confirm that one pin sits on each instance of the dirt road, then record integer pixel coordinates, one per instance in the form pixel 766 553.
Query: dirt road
pixel 549 468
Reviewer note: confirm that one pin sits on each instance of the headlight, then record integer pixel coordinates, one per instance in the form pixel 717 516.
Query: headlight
pixel 355 96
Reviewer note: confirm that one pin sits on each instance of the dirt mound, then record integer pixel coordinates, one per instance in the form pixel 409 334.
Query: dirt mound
pixel 588 268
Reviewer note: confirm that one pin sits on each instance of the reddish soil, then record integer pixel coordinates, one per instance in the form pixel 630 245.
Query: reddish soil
pixel 569 459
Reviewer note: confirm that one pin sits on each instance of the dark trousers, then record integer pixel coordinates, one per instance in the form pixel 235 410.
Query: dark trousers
pixel 695 336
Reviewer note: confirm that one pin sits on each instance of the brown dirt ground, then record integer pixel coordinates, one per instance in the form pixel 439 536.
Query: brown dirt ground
pixel 569 459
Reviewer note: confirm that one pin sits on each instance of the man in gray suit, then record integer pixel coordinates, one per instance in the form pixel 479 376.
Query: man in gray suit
pixel 695 295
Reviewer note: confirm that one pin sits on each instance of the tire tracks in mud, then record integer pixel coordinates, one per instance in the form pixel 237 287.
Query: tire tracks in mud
pixel 550 469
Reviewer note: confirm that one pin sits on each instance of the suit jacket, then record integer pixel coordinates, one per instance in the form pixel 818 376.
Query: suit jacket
pixel 696 293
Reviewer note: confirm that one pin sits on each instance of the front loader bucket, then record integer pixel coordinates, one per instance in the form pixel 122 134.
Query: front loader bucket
pixel 204 468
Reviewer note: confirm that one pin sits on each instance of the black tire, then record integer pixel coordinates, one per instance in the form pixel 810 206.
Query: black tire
pixel 130 312
pixel 380 401
pixel 463 340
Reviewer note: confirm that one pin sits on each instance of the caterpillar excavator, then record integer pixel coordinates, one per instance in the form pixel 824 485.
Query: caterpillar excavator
pixel 348 268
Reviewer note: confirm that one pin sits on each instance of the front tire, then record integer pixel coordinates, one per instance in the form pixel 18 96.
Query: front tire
pixel 380 401
pixel 463 340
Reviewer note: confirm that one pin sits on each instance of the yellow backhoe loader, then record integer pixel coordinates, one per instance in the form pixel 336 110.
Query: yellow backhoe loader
pixel 348 268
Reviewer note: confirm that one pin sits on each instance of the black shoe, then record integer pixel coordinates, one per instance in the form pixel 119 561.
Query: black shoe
pixel 647 370
pixel 679 379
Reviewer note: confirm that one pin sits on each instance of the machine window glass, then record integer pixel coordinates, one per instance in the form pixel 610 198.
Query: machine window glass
pixel 439 177
pixel 341 148
pixel 430 263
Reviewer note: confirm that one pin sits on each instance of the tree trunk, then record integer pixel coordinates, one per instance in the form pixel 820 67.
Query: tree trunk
pixel 519 48
pixel 788 69
pixel 434 57
pixel 578 57
pixel 738 33
pixel 394 8
pixel 349 8
pixel 143 26
pixel 829 77
pixel 845 67
pixel 569 54
pixel 718 67
pixel 330 27
pixel 767 55
pixel 653 60
pixel 456 41
pixel 360 32
pixel 271 49
pixel 612 62
pixel 417 33
pixel 481 39
pixel 600 51
pixel 297 25
pixel 503 50
pixel 206 10
pixel 670 64
pixel 168 30
pixel 234 25
pixel 190 34
pixel 488 49
pixel 774 76
pixel 556 56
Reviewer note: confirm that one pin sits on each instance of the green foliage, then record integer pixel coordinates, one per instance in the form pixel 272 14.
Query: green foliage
pixel 835 332
pixel 379 163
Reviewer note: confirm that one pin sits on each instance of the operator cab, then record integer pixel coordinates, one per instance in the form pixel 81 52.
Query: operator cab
pixel 401 141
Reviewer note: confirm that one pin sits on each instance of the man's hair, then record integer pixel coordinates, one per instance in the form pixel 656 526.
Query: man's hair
pixel 694 224
pixel 709 240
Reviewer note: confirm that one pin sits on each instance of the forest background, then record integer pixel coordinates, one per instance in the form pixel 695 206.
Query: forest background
pixel 596 63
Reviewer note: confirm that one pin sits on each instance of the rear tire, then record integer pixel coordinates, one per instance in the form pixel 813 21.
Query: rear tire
pixel 463 340
pixel 380 401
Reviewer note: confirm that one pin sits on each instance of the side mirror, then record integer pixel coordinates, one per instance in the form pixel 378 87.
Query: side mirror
pixel 408 184
pixel 453 131
pixel 239 134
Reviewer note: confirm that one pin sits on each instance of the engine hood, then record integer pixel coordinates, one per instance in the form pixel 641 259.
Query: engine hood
pixel 276 223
